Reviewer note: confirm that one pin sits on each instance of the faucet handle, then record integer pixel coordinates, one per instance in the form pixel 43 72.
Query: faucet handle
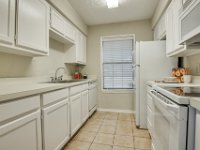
pixel 52 79
pixel 60 77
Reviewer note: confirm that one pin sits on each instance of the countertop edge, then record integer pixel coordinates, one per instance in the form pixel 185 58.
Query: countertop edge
pixel 35 91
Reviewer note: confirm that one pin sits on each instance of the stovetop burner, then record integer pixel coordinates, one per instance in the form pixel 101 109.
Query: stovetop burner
pixel 183 91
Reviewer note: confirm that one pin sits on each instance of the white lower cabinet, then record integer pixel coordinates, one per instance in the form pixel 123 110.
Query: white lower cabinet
pixel 23 133
pixel 43 122
pixel 75 102
pixel 197 131
pixel 56 125
pixel 85 108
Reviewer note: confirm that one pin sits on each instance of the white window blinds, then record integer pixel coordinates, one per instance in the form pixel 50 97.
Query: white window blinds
pixel 117 63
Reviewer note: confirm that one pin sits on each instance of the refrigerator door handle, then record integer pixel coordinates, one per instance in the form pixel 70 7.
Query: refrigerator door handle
pixel 135 65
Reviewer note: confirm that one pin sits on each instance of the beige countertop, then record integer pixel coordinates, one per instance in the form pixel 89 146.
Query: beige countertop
pixel 16 89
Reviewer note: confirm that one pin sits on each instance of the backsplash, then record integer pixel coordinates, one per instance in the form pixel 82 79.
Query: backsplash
pixel 21 66
pixel 194 63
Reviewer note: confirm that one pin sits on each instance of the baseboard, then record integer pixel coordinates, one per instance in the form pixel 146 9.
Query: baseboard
pixel 116 110
pixel 92 111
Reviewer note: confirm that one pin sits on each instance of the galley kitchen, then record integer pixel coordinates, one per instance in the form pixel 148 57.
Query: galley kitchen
pixel 99 74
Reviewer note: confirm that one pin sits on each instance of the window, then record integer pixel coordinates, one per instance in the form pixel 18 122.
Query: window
pixel 117 60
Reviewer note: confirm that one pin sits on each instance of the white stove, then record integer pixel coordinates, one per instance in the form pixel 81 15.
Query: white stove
pixel 172 118
pixel 179 94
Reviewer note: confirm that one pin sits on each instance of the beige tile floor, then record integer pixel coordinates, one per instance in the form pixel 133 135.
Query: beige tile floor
pixel 110 131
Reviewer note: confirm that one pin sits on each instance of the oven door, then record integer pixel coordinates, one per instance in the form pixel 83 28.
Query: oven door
pixel 170 124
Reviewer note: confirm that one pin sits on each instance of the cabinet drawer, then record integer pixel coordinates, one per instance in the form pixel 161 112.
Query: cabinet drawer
pixel 12 109
pixel 78 89
pixel 54 96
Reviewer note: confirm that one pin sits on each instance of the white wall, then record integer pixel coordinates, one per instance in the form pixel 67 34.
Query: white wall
pixel 21 66
pixel 142 31
pixel 194 63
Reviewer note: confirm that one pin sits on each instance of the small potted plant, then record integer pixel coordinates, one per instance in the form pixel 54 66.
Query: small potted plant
pixel 187 77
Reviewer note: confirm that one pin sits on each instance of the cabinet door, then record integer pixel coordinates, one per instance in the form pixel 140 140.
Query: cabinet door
pixel 169 29
pixel 57 22
pixel 22 134
pixel 79 54
pixel 160 29
pixel 80 47
pixel 7 23
pixel 85 109
pixel 32 25
pixel 56 125
pixel 69 31
pixel 84 47
pixel 75 113
pixel 176 9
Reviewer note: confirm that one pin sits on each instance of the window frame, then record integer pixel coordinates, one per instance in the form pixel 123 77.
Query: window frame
pixel 110 38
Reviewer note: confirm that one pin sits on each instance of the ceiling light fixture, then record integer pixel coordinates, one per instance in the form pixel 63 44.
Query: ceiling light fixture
pixel 112 3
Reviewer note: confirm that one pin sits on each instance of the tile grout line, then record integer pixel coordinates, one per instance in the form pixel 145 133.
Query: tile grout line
pixel 96 134
pixel 102 119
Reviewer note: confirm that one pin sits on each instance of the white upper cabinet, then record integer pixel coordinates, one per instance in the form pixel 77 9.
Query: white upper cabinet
pixel 69 31
pixel 173 48
pixel 32 25
pixel 61 29
pixel 176 8
pixel 57 22
pixel 160 28
pixel 7 23
pixel 169 29
pixel 24 27
pixel 79 56
pixel 80 48
pixel 84 44
pixel 77 53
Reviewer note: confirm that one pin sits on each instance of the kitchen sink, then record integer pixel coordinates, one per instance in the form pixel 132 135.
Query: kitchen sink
pixel 66 81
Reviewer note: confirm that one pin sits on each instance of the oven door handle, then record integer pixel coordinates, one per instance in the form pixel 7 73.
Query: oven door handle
pixel 172 108
pixel 150 92
pixel 169 107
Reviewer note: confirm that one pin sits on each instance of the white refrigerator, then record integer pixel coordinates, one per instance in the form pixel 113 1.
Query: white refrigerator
pixel 150 64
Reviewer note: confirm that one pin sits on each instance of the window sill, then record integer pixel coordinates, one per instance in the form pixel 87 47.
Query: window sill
pixel 118 91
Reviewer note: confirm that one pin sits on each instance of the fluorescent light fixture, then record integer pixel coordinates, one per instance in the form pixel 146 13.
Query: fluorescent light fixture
pixel 112 3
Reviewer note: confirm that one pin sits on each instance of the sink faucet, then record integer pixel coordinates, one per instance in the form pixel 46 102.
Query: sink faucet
pixel 56 77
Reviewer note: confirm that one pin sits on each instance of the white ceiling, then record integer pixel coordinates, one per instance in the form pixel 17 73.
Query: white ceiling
pixel 95 12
